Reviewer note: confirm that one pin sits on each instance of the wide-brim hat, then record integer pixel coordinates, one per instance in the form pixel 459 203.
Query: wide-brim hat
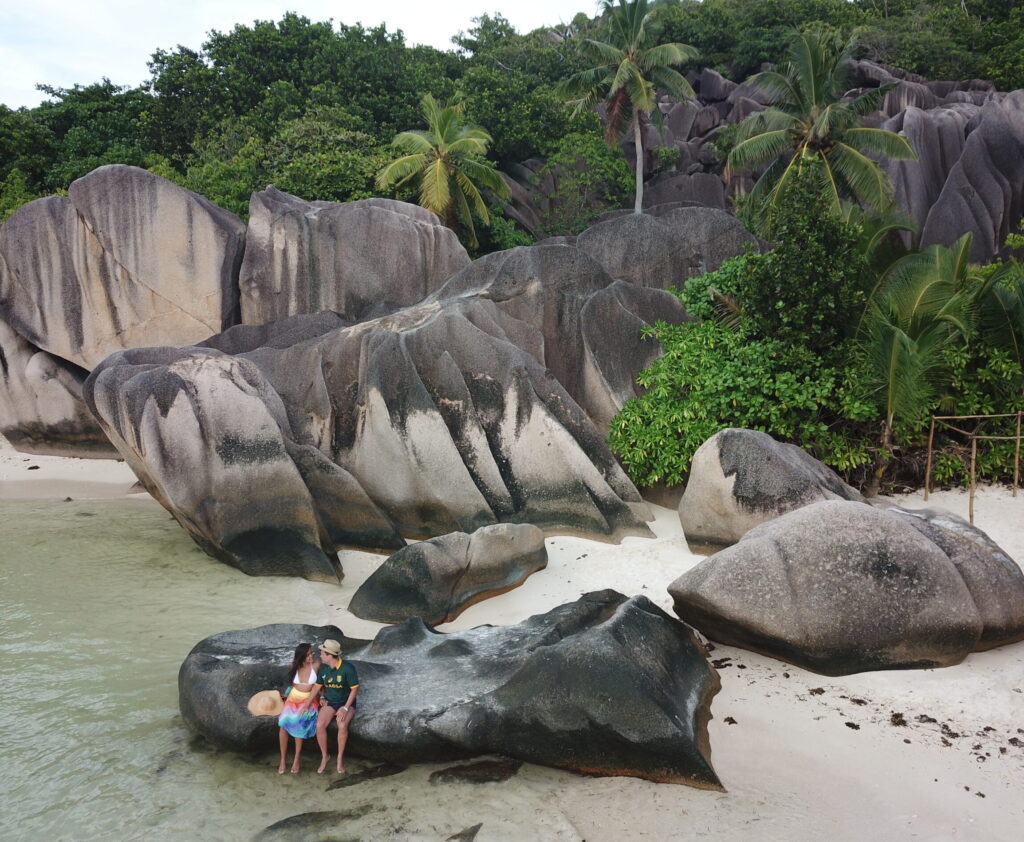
pixel 266 703
pixel 331 647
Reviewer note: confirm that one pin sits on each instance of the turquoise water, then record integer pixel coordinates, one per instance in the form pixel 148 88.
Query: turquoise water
pixel 99 604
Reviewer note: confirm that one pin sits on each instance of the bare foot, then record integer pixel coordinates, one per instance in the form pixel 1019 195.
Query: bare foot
pixel 323 764
pixel 280 769
pixel 341 768
pixel 295 768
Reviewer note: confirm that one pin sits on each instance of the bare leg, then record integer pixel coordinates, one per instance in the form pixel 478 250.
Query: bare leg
pixel 298 754
pixel 344 718
pixel 283 740
pixel 322 721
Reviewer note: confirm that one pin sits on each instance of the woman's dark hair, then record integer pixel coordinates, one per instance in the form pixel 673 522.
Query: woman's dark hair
pixel 301 651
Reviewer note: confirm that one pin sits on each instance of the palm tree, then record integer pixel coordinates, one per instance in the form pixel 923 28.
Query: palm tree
pixel 446 163
pixel 807 116
pixel 626 73
pixel 925 302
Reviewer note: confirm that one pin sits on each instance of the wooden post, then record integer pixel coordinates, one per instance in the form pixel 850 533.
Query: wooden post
pixel 928 469
pixel 974 462
pixel 1016 457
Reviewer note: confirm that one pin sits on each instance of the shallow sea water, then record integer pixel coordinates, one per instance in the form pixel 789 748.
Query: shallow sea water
pixel 99 604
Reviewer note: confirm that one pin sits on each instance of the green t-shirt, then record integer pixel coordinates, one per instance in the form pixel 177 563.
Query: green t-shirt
pixel 337 683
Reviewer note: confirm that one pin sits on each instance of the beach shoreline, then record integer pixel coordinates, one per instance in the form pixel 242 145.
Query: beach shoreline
pixel 890 755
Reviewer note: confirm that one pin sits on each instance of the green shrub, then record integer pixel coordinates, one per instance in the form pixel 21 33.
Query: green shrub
pixel 710 378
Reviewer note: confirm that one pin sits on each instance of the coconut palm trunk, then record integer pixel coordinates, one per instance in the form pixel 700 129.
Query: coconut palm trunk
pixel 638 204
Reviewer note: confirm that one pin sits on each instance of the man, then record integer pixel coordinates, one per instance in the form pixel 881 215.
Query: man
pixel 340 685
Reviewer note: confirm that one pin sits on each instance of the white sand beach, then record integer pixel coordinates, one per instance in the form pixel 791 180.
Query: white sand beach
pixel 917 754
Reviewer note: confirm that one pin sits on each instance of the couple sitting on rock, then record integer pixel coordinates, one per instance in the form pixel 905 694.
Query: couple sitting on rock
pixel 320 691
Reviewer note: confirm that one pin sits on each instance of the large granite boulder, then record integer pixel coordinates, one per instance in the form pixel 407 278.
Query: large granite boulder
pixel 463 411
pixel 741 478
pixel 840 587
pixel 437 580
pixel 222 673
pixel 663 250
pixel 125 259
pixel 604 685
pixel 360 259
pixel 41 408
pixel 208 437
pixel 984 192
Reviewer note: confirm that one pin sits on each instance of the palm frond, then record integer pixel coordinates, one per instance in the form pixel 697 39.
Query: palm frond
pixel 666 55
pixel 435 188
pixel 880 142
pixel 870 101
pixel 862 176
pixel 776 87
pixel 399 171
pixel 757 149
pixel 673 82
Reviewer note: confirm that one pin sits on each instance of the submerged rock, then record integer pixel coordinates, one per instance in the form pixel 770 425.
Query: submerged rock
pixel 741 478
pixel 605 685
pixel 840 587
pixel 438 579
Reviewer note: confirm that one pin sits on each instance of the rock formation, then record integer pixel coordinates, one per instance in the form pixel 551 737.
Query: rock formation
pixel 840 587
pixel 604 685
pixel 665 249
pixel 437 580
pixel 126 259
pixel 360 259
pixel 468 409
pixel 741 478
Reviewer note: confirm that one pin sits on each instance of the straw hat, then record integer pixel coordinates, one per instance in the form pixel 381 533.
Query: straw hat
pixel 331 647
pixel 266 703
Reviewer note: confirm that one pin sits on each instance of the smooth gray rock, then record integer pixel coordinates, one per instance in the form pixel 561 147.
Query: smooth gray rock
pixel 741 478
pixel 466 410
pixel 360 259
pixel 437 580
pixel 984 192
pixel 659 251
pixel 41 407
pixel 840 587
pixel 713 86
pixel 994 579
pixel 209 439
pixel 126 259
pixel 705 188
pixel 604 685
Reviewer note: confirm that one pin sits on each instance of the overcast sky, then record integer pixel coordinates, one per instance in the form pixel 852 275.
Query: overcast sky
pixel 64 42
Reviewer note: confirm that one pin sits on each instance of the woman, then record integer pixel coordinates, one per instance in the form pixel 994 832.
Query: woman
pixel 298 718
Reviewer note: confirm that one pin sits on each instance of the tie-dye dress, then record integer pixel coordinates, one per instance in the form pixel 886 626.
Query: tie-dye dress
pixel 301 725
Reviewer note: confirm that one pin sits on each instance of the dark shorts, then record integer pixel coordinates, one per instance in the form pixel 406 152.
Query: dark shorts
pixel 336 706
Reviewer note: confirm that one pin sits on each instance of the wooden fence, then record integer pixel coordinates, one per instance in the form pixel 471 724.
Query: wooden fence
pixel 974 438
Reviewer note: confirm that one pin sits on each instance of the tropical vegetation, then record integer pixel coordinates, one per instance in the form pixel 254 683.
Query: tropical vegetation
pixel 809 115
pixel 625 73
pixel 446 165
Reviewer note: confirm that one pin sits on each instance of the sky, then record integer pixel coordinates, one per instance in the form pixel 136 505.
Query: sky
pixel 66 42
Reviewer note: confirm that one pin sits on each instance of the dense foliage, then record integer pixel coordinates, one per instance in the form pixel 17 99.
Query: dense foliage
pixel 814 344
pixel 312 107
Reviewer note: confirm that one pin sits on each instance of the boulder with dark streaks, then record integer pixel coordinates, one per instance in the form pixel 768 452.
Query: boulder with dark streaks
pixel 437 580
pixel 741 478
pixel 605 685
pixel 126 259
pixel 984 192
pixel 463 411
pixel 41 407
pixel 360 259
pixel 840 587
